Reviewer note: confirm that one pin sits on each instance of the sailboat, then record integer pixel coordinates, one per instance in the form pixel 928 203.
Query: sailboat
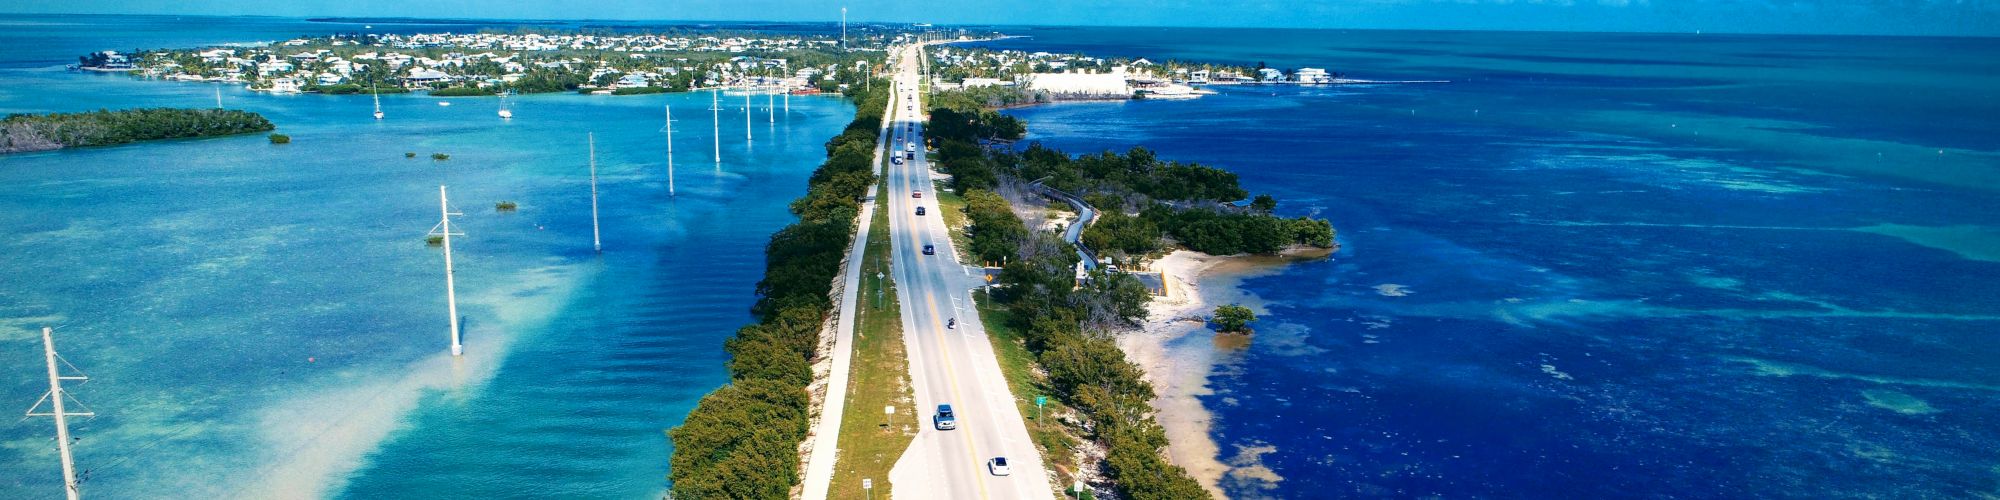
pixel 378 101
pixel 504 112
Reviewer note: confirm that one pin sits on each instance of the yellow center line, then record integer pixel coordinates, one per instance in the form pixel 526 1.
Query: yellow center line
pixel 930 301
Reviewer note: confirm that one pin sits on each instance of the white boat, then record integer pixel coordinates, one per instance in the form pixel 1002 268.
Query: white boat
pixel 444 103
pixel 505 114
pixel 378 101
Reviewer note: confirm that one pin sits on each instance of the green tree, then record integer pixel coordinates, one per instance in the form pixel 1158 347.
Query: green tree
pixel 1264 203
pixel 1233 318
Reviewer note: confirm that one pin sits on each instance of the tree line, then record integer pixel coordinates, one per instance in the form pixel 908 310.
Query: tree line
pixel 1143 200
pixel 32 132
pixel 741 441
pixel 1067 325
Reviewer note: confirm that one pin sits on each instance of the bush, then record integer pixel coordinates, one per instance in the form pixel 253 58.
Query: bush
pixel 505 206
pixel 433 240
pixel 440 156
pixel 281 139
pixel 462 92
pixel 639 90
pixel 409 155
pixel 1233 318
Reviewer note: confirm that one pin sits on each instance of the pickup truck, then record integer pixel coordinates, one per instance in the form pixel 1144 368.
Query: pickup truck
pixel 944 419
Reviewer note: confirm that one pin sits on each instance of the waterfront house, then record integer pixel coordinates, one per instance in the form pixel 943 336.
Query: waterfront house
pixel 420 76
pixel 631 81
pixel 1270 75
pixel 1312 76
pixel 287 85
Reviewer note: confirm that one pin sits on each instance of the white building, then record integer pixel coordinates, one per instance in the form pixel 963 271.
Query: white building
pixel 1312 76
pixel 1081 84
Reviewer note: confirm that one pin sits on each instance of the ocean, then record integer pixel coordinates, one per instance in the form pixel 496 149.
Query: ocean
pixel 1599 265
pixel 266 321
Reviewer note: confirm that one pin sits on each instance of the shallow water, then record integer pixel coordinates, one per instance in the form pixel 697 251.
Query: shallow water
pixel 265 320
pixel 1552 286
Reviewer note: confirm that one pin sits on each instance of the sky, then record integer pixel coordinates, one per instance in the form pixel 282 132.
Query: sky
pixel 1887 17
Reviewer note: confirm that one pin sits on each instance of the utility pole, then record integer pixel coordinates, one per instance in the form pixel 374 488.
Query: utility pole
pixel 443 230
pixel 670 149
pixel 715 108
pixel 596 241
pixel 55 398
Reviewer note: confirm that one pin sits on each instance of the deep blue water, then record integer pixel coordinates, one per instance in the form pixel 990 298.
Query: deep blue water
pixel 265 321
pixel 1633 265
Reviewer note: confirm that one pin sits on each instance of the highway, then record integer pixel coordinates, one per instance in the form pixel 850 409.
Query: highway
pixel 953 366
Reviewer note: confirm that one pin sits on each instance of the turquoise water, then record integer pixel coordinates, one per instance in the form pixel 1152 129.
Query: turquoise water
pixel 265 320
pixel 1600 265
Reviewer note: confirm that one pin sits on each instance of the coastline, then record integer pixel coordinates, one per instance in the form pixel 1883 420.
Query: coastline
pixel 1178 362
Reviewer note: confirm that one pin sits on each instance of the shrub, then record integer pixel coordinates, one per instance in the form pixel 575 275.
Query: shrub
pixel 505 206
pixel 1233 318
pixel 433 240
pixel 440 156
pixel 409 155
pixel 461 92
pixel 281 139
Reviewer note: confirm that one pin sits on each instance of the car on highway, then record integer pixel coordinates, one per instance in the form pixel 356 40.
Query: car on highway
pixel 930 250
pixel 896 160
pixel 911 155
pixel 998 465
pixel 944 419
pixel 920 210
pixel 910 146
pixel 916 194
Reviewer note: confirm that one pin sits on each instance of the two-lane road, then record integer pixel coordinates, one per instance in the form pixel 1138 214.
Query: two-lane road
pixel 949 365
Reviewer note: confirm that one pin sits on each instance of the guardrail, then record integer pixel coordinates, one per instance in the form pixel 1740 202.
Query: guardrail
pixel 1085 216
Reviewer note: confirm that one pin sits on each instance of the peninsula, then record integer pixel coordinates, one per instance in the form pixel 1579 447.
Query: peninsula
pixel 43 132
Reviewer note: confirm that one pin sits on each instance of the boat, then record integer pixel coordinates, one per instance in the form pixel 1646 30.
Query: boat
pixel 378 101
pixel 505 114
pixel 444 103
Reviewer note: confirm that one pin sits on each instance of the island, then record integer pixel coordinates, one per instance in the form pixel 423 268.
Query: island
pixel 43 132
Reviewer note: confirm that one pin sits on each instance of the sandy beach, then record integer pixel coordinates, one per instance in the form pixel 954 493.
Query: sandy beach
pixel 1179 351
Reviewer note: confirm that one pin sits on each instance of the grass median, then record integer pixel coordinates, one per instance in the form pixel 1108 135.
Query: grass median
pixel 870 441
pixel 952 207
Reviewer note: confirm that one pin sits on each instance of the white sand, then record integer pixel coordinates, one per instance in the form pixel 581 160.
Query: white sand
pixel 1178 364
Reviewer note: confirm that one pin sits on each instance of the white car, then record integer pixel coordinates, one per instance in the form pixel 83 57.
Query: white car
pixel 998 466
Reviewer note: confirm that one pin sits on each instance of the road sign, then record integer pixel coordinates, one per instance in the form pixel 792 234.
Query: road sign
pixel 1041 400
pixel 989 278
pixel 888 410
pixel 867 484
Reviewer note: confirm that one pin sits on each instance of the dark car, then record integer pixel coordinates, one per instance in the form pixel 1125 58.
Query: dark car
pixel 920 210
pixel 916 194
pixel 930 250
